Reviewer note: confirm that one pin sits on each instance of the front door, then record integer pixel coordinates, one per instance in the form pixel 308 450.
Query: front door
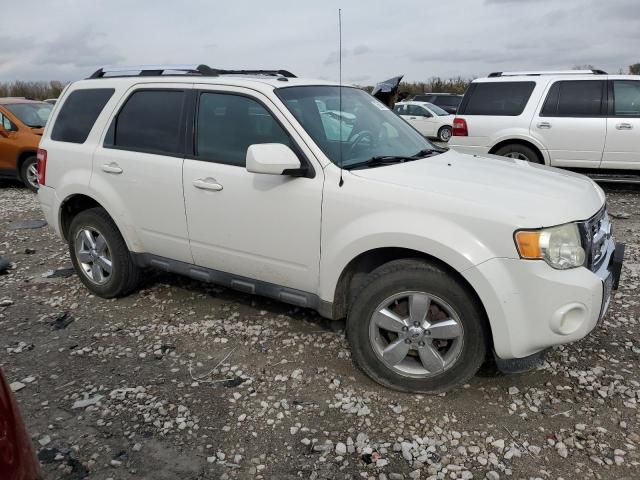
pixel 622 148
pixel 263 227
pixel 421 119
pixel 572 123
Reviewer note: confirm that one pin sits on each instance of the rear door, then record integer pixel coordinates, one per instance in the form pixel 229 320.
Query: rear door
pixel 9 145
pixel 421 119
pixel 622 147
pixel 571 123
pixel 138 168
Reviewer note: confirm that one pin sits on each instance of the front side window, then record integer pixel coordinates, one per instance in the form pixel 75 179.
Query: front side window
pixel 574 98
pixel 151 121
pixel 228 124
pixel 366 127
pixel 497 98
pixel 626 98
pixel 78 114
pixel 33 114
pixel 400 109
pixel 437 110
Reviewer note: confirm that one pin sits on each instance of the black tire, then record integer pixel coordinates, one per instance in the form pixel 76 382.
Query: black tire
pixel 417 275
pixel 25 175
pixel 444 134
pixel 519 151
pixel 125 275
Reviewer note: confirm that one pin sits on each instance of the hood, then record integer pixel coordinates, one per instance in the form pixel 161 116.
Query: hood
pixel 524 194
pixel 37 131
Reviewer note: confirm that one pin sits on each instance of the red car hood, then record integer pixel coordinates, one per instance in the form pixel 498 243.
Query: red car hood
pixel 17 459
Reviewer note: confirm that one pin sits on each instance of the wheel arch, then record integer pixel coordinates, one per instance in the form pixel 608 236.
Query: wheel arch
pixel 519 141
pixel 79 202
pixel 353 275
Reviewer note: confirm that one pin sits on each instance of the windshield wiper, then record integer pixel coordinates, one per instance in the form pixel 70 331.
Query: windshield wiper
pixel 389 159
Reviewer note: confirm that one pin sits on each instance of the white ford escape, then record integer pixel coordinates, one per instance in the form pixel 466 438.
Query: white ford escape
pixel 437 259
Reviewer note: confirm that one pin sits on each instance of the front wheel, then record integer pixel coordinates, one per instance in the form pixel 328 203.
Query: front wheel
pixel 414 327
pixel 444 134
pixel 29 174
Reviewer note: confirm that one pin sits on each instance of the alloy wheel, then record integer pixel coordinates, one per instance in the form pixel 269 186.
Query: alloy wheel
pixel 93 255
pixel 416 334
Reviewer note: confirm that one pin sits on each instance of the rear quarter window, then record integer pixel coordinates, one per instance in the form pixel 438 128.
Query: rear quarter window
pixel 79 113
pixel 497 98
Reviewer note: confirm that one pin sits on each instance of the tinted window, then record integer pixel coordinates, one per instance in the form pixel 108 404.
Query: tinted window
pixel 626 95
pixel 400 109
pixel 418 111
pixel 78 114
pixel 151 121
pixel 229 124
pixel 498 98
pixel 448 100
pixel 580 98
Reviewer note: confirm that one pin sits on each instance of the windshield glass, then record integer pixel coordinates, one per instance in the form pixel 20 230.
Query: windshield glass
pixel 31 114
pixel 437 110
pixel 362 129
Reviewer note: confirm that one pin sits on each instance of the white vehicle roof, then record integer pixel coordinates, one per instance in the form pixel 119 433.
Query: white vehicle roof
pixel 549 75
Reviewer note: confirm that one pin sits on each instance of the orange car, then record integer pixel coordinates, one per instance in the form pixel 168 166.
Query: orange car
pixel 21 125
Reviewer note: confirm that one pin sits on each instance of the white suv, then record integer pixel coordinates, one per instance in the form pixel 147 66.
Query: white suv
pixel 578 118
pixel 235 178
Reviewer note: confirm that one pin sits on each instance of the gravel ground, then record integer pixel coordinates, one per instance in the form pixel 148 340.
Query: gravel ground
pixel 191 381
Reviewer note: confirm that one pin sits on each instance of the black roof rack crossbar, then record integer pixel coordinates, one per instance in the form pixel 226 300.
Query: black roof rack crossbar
pixel 159 70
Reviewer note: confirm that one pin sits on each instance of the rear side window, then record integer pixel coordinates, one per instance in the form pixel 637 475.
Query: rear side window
pixel 448 100
pixel 150 121
pixel 497 98
pixel 78 114
pixel 574 98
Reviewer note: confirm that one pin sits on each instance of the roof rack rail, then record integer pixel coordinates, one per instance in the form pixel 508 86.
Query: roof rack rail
pixel 547 72
pixel 181 69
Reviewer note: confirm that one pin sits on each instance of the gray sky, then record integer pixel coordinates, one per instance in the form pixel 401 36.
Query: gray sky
pixel 68 39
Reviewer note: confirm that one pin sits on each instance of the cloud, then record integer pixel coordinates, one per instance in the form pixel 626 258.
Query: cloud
pixel 361 50
pixel 84 48
pixel 333 57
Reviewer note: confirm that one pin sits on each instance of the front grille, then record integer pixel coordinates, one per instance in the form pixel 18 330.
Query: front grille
pixel 596 232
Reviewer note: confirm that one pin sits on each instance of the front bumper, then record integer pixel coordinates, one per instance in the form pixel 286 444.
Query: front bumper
pixel 532 306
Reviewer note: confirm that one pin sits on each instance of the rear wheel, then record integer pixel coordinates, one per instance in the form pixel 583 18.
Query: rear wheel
pixel 100 255
pixel 29 174
pixel 519 152
pixel 444 134
pixel 413 327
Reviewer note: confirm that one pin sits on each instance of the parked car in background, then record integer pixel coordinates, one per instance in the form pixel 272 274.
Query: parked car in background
pixel 446 101
pixel 577 119
pixel 436 259
pixel 17 458
pixel 430 120
pixel 21 125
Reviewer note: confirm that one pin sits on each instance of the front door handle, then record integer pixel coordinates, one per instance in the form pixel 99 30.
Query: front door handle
pixel 544 125
pixel 624 126
pixel 207 184
pixel 112 167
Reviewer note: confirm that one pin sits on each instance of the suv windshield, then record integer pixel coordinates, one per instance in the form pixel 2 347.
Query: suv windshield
pixel 362 129
pixel 31 114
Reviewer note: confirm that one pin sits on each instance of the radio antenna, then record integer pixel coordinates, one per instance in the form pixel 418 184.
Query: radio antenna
pixel 341 182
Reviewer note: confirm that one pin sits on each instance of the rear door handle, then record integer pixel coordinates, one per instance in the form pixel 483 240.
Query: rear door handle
pixel 111 168
pixel 624 126
pixel 207 184
pixel 544 125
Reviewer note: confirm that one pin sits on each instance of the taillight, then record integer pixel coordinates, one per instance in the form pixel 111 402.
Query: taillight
pixel 460 127
pixel 41 166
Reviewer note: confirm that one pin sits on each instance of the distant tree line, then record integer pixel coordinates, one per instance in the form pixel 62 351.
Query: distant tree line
pixel 52 89
pixel 34 90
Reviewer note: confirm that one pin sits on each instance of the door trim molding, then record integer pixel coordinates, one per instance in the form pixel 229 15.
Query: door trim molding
pixel 288 295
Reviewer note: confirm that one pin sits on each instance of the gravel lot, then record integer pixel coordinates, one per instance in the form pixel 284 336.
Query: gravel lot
pixel 191 381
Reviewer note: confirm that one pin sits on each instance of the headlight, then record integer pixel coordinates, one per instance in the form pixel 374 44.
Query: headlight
pixel 559 246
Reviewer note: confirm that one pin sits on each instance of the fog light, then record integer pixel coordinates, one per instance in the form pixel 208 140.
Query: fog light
pixel 568 319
